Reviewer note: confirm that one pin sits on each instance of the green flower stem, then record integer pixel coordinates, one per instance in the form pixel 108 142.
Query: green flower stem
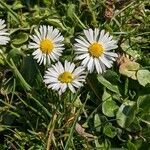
pixel 80 22
pixel 89 82
pixel 73 126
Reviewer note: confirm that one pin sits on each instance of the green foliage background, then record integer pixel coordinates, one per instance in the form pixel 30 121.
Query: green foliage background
pixel 111 111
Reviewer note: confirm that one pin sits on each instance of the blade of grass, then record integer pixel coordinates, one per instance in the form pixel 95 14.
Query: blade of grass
pixel 29 106
pixel 9 105
pixel 51 128
pixel 78 20
pixel 24 84
pixel 11 12
pixel 41 106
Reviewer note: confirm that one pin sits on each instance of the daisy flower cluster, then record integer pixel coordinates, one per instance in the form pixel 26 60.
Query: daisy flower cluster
pixel 92 50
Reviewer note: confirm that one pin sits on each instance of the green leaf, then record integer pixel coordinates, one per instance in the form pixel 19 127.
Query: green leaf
pixel 29 69
pixel 15 54
pixel 97 123
pixel 106 95
pixel 20 38
pixel 143 77
pixel 2 146
pixel 17 5
pixel 1 60
pixel 48 2
pixel 107 84
pixel 131 51
pixel 102 145
pixel 144 103
pixel 146 118
pixel 134 126
pixel 110 131
pixel 112 77
pixel 109 108
pixel 129 69
pixel 70 10
pixel 126 113
pixel 131 146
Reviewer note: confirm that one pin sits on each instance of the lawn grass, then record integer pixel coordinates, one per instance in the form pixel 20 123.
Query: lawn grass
pixel 111 110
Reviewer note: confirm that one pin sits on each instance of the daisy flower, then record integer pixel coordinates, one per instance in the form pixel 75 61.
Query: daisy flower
pixel 4 39
pixel 59 77
pixel 94 50
pixel 48 44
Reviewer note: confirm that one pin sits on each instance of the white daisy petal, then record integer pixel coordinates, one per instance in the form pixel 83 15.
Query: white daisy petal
pixel 71 68
pixel 49 42
pixel 67 65
pixel 35 39
pixel 85 61
pixel 37 52
pixel 91 35
pixel 71 88
pixel 60 67
pixel 41 60
pixel 49 31
pixel 41 29
pixel 105 61
pixel 90 65
pixel 4 35
pixel 96 33
pixel 97 65
pixel 63 87
pixel 81 50
pixel 77 84
pixel 55 86
pixel 105 37
pixel 101 35
pixel 84 40
pixel 82 43
pixel 54 34
pixel 58 39
pixel 80 57
pixel 88 36
pixel 33 45
pixel 78 71
pixel 44 60
pixel 108 48
pixel 110 38
pixel 102 66
pixel 44 32
pixel 37 34
pixel 111 54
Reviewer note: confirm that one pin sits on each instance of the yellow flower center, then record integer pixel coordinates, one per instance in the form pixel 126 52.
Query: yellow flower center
pixel 96 50
pixel 46 46
pixel 65 77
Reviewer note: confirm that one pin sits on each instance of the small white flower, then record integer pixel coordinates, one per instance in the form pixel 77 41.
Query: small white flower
pixel 4 39
pixel 48 44
pixel 59 77
pixel 94 50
